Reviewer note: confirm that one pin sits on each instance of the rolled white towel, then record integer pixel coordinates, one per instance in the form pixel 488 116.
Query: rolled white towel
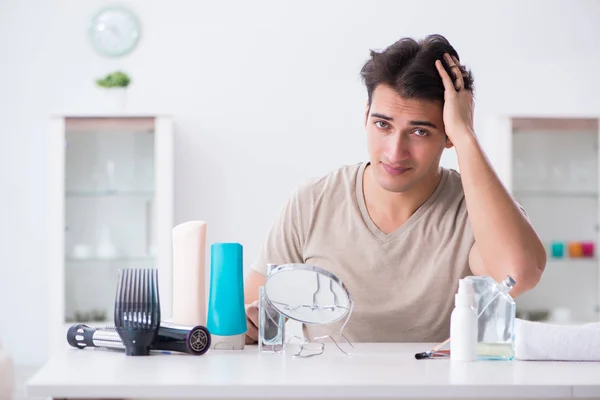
pixel 545 341
pixel 7 375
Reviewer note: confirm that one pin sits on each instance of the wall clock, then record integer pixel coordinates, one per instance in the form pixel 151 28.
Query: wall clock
pixel 114 31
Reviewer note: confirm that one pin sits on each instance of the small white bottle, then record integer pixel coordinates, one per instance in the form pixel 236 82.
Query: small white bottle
pixel 463 324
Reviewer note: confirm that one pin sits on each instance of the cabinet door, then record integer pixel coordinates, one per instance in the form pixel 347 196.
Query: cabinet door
pixel 554 170
pixel 109 213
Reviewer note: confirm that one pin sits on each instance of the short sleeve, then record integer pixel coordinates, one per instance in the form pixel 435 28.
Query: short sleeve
pixel 285 240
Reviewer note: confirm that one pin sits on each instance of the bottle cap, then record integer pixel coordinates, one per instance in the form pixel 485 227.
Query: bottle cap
pixel 509 281
pixel 465 295
pixel 465 286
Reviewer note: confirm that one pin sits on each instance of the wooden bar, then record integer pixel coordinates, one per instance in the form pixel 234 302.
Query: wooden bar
pixel 82 124
pixel 555 124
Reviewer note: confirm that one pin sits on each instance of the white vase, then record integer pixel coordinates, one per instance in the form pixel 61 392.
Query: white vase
pixel 105 249
pixel 114 100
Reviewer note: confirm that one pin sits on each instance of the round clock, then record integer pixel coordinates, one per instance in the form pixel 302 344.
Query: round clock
pixel 114 31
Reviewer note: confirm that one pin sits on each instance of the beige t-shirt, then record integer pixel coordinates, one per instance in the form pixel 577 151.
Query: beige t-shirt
pixel 402 283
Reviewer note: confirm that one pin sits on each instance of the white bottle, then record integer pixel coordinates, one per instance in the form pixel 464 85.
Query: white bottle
pixel 463 324
pixel 189 276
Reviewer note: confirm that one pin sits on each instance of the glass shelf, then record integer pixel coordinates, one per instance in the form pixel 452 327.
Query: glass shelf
pixel 592 262
pixel 69 322
pixel 109 260
pixel 580 261
pixel 554 193
pixel 109 193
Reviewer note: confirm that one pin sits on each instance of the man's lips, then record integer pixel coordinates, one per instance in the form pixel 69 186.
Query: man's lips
pixel 393 170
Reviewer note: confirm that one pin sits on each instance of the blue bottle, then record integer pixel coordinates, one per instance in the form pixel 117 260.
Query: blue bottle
pixel 226 320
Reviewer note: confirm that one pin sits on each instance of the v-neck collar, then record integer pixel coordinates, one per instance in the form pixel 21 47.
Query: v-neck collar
pixel 387 237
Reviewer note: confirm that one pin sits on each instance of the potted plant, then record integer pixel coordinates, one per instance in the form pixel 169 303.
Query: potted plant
pixel 115 85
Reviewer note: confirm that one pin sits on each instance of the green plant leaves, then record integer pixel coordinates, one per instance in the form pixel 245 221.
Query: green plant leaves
pixel 114 79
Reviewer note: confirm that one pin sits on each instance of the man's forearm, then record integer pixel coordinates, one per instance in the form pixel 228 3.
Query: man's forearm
pixel 505 239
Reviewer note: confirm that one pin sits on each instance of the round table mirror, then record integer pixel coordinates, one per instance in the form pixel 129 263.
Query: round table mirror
pixel 307 293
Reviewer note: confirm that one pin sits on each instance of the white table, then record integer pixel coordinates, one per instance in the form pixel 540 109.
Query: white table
pixel 372 371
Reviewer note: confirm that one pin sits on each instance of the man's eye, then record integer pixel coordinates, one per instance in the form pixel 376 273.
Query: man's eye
pixel 421 132
pixel 382 124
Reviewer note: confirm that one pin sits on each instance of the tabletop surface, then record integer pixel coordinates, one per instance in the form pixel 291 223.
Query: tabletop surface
pixel 373 370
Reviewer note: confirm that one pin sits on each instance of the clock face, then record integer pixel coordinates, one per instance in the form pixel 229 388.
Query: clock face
pixel 114 31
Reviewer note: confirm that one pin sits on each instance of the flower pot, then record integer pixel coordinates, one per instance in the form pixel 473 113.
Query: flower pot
pixel 114 100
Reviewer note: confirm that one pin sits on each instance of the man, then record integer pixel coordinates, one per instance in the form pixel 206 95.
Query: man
pixel 399 230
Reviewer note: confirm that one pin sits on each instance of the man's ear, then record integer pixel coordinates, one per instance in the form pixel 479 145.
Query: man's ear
pixel 367 112
pixel 449 143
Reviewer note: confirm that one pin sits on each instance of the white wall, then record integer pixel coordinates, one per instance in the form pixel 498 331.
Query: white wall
pixel 264 95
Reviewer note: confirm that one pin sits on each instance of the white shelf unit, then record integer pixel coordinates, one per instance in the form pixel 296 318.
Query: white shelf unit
pixel 112 201
pixel 551 166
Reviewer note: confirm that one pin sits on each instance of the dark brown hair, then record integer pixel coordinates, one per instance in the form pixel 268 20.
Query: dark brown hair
pixel 409 67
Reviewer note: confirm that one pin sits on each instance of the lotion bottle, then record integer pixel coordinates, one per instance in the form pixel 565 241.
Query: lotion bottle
pixel 463 324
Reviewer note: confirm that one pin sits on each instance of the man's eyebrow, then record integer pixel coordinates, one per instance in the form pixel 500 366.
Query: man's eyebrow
pixel 376 115
pixel 421 123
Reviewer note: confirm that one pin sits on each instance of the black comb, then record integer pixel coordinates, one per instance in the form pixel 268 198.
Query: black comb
pixel 137 310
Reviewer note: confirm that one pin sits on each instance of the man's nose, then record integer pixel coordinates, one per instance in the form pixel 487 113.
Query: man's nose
pixel 397 147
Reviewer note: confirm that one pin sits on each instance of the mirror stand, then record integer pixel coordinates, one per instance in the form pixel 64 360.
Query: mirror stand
pixel 309 307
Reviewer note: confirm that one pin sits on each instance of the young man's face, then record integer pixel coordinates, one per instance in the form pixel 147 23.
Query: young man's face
pixel 405 138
